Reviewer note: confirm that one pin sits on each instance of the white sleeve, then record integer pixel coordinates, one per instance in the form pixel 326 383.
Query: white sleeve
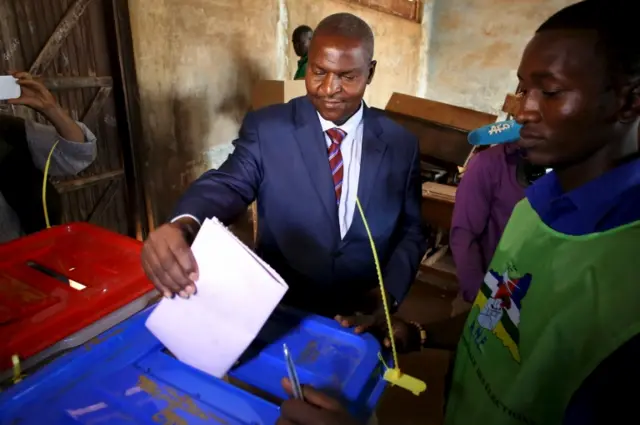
pixel 69 158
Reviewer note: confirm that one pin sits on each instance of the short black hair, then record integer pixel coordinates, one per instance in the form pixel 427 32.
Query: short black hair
pixel 300 31
pixel 615 22
pixel 349 26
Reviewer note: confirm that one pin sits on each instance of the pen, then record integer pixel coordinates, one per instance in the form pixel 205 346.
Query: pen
pixel 293 375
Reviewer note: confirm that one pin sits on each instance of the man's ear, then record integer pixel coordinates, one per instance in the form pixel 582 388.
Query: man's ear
pixel 635 102
pixel 631 106
pixel 372 71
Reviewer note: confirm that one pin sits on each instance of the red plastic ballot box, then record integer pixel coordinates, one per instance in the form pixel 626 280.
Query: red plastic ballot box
pixel 63 286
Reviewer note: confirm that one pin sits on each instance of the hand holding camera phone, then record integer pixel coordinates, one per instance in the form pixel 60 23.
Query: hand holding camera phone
pixel 21 88
pixel 9 87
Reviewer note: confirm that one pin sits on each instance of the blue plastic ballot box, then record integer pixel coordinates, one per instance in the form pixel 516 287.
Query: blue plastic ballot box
pixel 126 376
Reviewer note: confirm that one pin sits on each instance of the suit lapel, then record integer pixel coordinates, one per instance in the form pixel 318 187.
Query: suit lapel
pixel 313 148
pixel 373 150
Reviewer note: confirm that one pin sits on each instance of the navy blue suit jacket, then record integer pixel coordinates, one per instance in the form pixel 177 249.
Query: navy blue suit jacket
pixel 280 159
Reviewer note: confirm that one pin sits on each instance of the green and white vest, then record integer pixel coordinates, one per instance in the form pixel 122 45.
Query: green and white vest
pixel 551 308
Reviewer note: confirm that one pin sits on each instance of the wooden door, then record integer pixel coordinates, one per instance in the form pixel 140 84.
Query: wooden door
pixel 73 46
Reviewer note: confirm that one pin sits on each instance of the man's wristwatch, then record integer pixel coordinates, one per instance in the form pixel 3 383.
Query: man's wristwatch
pixel 189 229
pixel 393 304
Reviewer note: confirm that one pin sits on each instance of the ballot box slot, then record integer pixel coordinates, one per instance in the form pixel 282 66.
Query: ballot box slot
pixel 231 380
pixel 56 275
pixel 266 396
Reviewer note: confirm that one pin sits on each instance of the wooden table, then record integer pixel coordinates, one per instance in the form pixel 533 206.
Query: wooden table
pixel 437 204
pixel 437 209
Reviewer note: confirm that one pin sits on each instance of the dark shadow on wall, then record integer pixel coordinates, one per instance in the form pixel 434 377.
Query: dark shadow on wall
pixel 176 140
pixel 239 103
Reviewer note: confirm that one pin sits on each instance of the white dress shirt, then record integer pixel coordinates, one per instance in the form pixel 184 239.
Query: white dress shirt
pixel 351 149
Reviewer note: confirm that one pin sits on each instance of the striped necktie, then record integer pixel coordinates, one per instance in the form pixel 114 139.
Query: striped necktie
pixel 335 159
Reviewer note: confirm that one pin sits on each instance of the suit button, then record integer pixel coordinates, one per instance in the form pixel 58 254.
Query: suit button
pixel 337 254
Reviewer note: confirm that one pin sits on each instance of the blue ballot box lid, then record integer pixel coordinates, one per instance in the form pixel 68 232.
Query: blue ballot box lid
pixel 125 375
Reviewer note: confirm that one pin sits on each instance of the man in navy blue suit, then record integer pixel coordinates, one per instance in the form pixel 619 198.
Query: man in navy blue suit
pixel 306 162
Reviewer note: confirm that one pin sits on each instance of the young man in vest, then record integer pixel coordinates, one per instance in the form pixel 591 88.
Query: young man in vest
pixel 24 148
pixel 553 336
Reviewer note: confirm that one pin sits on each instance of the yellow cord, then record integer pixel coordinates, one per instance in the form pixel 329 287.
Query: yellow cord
pixel 17 370
pixel 385 302
pixel 44 186
pixel 393 376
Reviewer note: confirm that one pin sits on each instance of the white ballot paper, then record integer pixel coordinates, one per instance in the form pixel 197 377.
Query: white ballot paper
pixel 236 294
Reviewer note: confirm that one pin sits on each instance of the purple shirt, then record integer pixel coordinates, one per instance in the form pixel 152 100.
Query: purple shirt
pixel 485 198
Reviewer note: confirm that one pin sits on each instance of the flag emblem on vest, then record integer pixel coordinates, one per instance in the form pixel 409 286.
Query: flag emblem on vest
pixel 500 300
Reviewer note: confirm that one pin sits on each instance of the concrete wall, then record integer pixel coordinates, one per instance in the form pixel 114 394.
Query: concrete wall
pixel 198 59
pixel 476 46
pixel 196 62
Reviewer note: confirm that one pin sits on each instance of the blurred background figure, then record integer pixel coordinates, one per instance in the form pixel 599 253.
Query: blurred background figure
pixel 301 39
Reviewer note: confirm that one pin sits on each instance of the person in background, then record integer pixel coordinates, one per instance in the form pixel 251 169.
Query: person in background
pixel 305 163
pixel 24 148
pixel 554 334
pixel 301 39
pixel 492 185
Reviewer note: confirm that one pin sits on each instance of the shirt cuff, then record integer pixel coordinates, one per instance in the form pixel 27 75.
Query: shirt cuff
pixel 89 137
pixel 173 220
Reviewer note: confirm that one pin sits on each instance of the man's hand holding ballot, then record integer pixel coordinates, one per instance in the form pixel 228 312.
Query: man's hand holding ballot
pixel 237 293
pixel 167 258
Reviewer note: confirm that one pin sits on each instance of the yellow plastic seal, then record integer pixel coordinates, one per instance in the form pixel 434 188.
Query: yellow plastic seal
pixel 17 370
